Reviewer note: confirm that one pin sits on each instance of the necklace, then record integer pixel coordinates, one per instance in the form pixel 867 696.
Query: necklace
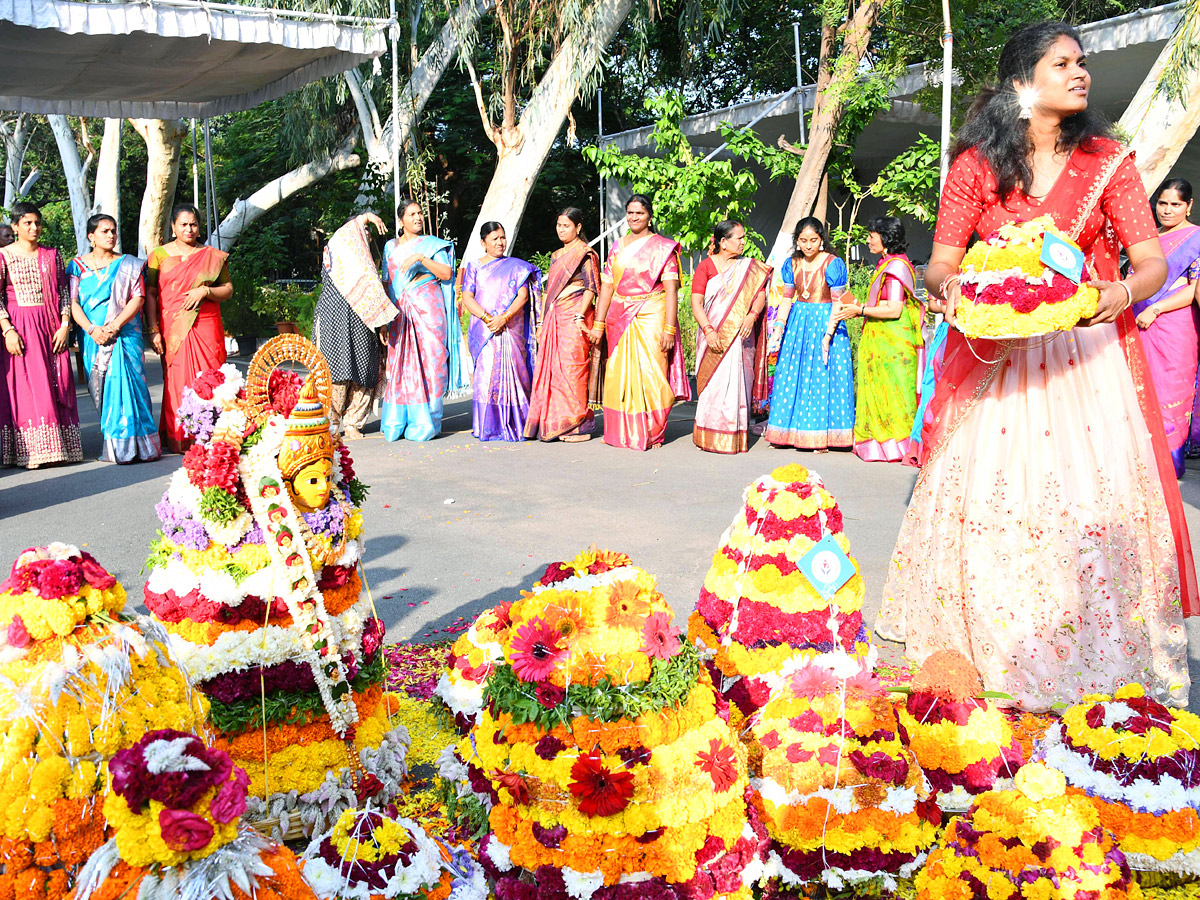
pixel 727 275
pixel 808 276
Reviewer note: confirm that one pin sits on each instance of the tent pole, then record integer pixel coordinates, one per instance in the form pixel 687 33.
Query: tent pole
pixel 395 116
pixel 947 76
pixel 195 170
pixel 600 145
pixel 799 83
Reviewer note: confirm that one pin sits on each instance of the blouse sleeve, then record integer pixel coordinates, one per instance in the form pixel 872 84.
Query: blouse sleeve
pixel 671 270
pixel 787 274
pixel 223 275
pixel 962 201
pixel 1124 204
pixel 64 289
pixel 74 274
pixel 703 273
pixel 836 275
pixel 152 266
pixel 591 274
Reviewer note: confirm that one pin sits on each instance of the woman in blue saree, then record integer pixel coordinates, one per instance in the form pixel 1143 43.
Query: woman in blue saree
pixel 106 303
pixel 497 289
pixel 425 361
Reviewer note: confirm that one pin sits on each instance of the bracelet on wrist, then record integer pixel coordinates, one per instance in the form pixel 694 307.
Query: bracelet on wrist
pixel 1128 295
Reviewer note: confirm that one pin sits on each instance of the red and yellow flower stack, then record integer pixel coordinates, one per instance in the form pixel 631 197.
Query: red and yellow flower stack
pixel 80 682
pixel 964 743
pixel 845 803
pixel 1040 841
pixel 175 806
pixel 255 574
pixel 758 616
pixel 607 752
pixel 1139 764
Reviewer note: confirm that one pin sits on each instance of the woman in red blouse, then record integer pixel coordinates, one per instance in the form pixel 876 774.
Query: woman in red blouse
pixel 1045 537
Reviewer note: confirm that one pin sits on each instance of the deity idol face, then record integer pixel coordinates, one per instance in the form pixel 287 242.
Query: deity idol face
pixel 312 485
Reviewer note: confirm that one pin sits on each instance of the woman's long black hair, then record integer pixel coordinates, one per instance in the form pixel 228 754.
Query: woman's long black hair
pixel 993 126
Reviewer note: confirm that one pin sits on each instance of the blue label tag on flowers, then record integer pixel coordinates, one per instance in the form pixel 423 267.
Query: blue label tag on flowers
pixel 826 567
pixel 1063 257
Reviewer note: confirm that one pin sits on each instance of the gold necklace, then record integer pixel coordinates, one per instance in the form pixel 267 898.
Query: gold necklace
pixel 808 277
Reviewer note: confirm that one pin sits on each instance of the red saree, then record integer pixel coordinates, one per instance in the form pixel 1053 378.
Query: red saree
pixel 195 339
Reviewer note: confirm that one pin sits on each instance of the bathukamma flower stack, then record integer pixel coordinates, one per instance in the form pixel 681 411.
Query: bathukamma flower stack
pixel 964 743
pixel 758 616
pixel 80 682
pixel 1139 764
pixel 613 770
pixel 262 595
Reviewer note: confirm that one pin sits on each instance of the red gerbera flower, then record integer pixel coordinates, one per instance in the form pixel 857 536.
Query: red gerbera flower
pixel 536 649
pixel 720 762
pixel 659 639
pixel 601 791
pixel 515 784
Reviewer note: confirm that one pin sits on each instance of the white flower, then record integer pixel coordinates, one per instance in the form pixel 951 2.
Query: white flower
pixel 324 880
pixel 229 533
pixel 901 801
pixel 581 885
pixel 449 766
pixel 1116 713
pixel 498 853
pixel 219 586
pixel 171 756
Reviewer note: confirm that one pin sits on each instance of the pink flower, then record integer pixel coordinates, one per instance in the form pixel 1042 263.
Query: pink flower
pixel 184 831
pixel 813 681
pixel 865 686
pixel 230 801
pixel 373 633
pixel 62 578
pixel 95 574
pixel 18 635
pixel 659 639
pixel 536 650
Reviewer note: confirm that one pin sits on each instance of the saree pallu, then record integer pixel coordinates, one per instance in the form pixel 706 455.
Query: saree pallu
pixel 425 360
pixel 195 339
pixel 725 380
pixel 116 371
pixel 766 358
pixel 931 371
pixel 504 361
pixel 886 382
pixel 40 389
pixel 1172 342
pixel 563 376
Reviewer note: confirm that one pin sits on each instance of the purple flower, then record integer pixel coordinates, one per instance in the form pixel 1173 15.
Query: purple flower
pixel 179 526
pixel 197 416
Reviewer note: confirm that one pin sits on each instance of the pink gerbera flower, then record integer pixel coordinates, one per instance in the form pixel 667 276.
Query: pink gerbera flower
pixel 812 681
pixel 537 648
pixel 659 639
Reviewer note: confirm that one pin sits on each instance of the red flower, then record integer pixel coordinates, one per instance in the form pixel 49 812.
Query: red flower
pixel 720 762
pixel 18 635
pixel 502 613
pixel 95 574
pixel 771 739
pixel 600 790
pixel 1095 716
pixel 204 382
pixel 880 765
pixel 373 632
pixel 369 787
pixel 195 461
pixel 284 390
pixel 347 464
pixel 515 783
pixel 62 578
pixel 659 639
pixel 222 466
pixel 555 572
pixel 536 650
pixel 184 831
pixel 549 695
pixel 797 754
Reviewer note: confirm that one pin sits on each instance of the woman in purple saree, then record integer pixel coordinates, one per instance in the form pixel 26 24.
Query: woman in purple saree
pixel 497 290
pixel 1167 321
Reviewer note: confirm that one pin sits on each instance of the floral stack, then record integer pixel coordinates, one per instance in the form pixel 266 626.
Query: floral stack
pixel 175 806
pixel 1139 764
pixel 371 856
pixel 964 743
pixel 612 767
pixel 845 803
pixel 472 659
pixel 1040 840
pixel 758 616
pixel 81 682
pixel 255 576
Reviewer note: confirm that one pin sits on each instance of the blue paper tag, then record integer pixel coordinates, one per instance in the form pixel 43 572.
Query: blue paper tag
pixel 1063 257
pixel 826 567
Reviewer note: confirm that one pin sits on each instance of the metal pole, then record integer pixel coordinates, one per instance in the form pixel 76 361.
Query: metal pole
pixel 799 83
pixel 395 116
pixel 195 170
pixel 599 144
pixel 947 76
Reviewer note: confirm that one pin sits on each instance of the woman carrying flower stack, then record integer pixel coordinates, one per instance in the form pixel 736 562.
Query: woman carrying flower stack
pixel 1168 320
pixel 729 292
pixel 888 352
pixel 1045 539
pixel 638 309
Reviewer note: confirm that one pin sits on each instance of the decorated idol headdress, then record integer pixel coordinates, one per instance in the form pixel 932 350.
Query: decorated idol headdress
pixel 307 439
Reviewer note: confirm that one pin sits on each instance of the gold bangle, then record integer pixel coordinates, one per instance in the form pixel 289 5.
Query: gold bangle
pixel 670 332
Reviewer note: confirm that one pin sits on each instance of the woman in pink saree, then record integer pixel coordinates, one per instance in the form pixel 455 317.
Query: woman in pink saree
pixel 186 283
pixel 638 308
pixel 729 292
pixel 1168 320
pixel 564 381
pixel 497 290
pixel 41 424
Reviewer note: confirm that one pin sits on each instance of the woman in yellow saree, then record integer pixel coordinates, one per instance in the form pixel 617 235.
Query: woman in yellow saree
pixel 638 309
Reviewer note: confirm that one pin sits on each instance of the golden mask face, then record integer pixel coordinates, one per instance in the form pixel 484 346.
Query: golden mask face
pixel 312 485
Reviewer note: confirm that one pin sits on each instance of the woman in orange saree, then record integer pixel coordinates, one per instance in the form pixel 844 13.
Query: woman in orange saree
pixel 558 403
pixel 638 308
pixel 186 282
pixel 1044 539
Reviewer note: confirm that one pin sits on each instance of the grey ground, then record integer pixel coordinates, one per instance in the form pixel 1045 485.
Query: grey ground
pixel 455 526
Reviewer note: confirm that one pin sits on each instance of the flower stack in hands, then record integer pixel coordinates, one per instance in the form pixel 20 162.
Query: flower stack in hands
pixel 1137 762
pixel 1040 840
pixel 758 615
pixel 964 744
pixel 1007 291
pixel 607 753
pixel 81 682
pixel 255 576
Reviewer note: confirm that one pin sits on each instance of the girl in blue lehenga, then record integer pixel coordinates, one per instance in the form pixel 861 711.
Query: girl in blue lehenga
pixel 812 396
pixel 106 303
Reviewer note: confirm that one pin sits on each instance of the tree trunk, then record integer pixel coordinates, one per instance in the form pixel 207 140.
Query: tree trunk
pixel 164 143
pixel 75 173
pixel 246 212
pixel 521 156
pixel 16 141
pixel 1160 126
pixel 826 116
pixel 106 197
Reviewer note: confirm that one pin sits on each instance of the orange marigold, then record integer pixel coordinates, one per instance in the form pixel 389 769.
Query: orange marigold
pixel 949 675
